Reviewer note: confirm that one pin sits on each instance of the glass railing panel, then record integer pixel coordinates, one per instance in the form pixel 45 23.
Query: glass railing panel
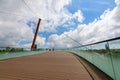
pixel 104 54
pixel 102 58
pixel 115 54
pixel 9 55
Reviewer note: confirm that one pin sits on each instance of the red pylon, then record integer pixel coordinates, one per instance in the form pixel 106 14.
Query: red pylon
pixel 34 39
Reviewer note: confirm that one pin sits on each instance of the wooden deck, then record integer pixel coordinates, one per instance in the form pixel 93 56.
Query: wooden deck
pixel 48 66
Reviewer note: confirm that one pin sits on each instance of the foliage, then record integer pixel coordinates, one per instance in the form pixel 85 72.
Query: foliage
pixel 117 51
pixel 103 51
pixel 8 49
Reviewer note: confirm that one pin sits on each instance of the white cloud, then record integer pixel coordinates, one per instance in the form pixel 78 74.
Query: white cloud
pixel 40 41
pixel 11 35
pixel 105 27
pixel 13 31
pixel 54 13
pixel 14 28
pixel 61 41
pixel 78 16
pixel 117 2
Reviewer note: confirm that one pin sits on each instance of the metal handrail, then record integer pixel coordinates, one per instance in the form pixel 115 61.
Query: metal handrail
pixel 112 39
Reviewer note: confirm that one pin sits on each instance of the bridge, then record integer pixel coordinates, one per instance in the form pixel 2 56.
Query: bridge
pixel 79 40
pixel 95 61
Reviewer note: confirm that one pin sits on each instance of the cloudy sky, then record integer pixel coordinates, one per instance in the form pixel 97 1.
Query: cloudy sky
pixel 84 21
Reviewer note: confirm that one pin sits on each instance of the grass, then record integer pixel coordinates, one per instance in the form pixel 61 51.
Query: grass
pixel 116 51
pixel 103 51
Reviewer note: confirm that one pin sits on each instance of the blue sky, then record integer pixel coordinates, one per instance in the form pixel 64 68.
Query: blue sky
pixel 83 20
pixel 91 10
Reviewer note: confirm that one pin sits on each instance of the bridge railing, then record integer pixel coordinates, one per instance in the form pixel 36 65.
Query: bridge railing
pixel 8 54
pixel 104 54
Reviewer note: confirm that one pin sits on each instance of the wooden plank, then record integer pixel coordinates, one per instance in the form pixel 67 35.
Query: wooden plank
pixel 48 66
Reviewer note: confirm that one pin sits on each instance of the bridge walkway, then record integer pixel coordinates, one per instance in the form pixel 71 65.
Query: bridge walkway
pixel 47 66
